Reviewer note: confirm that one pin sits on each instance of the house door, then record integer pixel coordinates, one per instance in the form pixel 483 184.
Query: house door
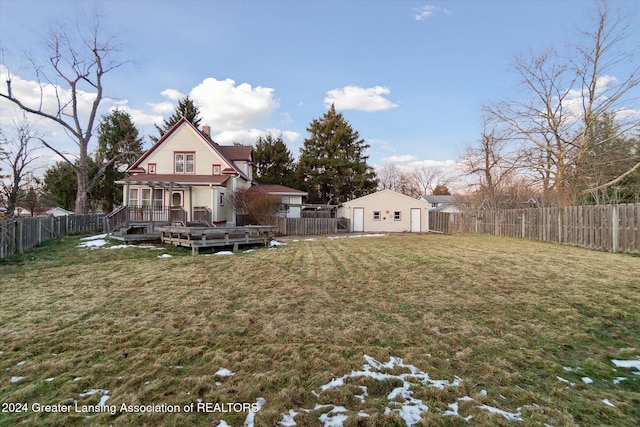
pixel 358 219
pixel 176 198
pixel 416 225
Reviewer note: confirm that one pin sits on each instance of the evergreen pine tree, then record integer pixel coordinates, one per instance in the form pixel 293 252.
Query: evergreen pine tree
pixel 186 109
pixel 274 162
pixel 117 139
pixel 333 167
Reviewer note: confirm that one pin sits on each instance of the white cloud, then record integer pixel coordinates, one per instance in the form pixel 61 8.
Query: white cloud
pixel 424 12
pixel 359 98
pixel 227 107
pixel 235 112
pixel 139 117
pixel 400 159
pixel 442 164
pixel 164 108
pixel 287 135
pixel 172 94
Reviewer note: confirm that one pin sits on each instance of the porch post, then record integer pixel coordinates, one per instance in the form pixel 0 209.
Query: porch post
pixel 190 203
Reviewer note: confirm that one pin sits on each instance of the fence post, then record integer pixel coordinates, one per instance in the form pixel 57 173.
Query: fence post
pixel 615 224
pixel 18 236
pixel 560 225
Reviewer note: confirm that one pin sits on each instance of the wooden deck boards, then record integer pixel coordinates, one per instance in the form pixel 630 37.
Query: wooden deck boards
pixel 210 237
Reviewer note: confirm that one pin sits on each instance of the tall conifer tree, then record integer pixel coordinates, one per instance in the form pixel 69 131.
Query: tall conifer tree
pixel 274 162
pixel 333 167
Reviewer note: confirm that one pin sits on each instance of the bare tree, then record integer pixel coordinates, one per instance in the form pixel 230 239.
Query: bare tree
pixel 424 180
pixel 18 156
pixel 492 164
pixel 566 97
pixel 76 67
pixel 390 177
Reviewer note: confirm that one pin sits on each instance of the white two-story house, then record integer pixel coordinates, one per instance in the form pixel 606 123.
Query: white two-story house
pixel 187 177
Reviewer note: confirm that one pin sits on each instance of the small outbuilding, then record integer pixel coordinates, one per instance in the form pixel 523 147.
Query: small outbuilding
pixel 386 211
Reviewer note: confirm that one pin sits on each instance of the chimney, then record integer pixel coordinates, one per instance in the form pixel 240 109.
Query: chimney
pixel 206 130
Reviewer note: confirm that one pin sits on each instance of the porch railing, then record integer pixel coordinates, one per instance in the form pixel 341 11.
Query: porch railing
pixel 127 215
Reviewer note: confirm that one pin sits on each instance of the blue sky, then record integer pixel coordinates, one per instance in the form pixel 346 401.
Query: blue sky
pixel 409 76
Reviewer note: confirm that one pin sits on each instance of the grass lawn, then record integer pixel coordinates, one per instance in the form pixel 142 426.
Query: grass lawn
pixel 365 331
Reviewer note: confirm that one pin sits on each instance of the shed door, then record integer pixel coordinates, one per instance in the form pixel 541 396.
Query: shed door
pixel 415 221
pixel 358 219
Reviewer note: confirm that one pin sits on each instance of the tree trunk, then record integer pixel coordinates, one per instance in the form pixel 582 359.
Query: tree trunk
pixel 82 195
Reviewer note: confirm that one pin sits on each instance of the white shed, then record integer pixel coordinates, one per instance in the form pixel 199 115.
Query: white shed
pixel 386 211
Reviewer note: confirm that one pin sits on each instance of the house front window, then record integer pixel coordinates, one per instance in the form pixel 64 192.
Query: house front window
pixel 133 196
pixel 158 195
pixel 376 215
pixel 396 216
pixel 217 169
pixel 221 199
pixel 146 197
pixel 185 162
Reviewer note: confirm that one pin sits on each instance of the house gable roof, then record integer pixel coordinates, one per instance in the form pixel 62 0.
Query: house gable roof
pixel 384 193
pixel 228 153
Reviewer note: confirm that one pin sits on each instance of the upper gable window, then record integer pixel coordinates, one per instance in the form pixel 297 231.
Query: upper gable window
pixel 185 162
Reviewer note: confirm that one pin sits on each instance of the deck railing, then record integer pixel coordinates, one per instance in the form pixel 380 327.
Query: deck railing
pixel 125 216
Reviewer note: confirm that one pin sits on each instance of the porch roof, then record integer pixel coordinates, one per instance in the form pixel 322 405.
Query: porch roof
pixel 168 180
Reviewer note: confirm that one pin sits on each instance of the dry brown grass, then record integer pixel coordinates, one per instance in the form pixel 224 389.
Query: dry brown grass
pixel 504 315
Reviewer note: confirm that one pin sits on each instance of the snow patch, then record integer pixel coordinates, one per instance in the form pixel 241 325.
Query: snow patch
pixel 618 380
pixel 400 399
pixel 96 237
pixel 628 364
pixel 565 381
pixel 288 420
pixel 104 395
pixel 14 380
pixel 224 253
pixel 164 256
pixel 608 403
pixel 224 372
pixel 508 415
pixel 587 380
pixel 260 402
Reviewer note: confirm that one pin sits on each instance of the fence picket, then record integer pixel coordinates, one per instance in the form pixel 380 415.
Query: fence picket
pixel 609 228
pixel 19 235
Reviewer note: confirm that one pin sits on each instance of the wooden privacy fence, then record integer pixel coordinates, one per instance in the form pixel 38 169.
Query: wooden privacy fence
pixel 311 226
pixel 613 228
pixel 18 235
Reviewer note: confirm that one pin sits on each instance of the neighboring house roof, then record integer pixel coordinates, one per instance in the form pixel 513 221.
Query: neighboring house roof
pixel 446 208
pixel 279 190
pixel 441 199
pixel 162 179
pixel 230 153
pixel 53 210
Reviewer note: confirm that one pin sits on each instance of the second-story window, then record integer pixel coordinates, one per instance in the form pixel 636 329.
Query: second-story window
pixel 185 162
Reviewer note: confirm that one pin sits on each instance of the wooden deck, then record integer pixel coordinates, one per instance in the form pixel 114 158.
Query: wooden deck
pixel 211 237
